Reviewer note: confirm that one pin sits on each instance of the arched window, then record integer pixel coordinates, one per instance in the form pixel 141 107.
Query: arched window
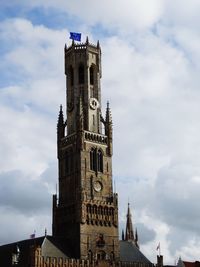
pixel 71 74
pixel 69 161
pixel 100 242
pixel 96 160
pixel 112 211
pixel 90 256
pixel 101 255
pixel 88 208
pixel 81 74
pixel 93 161
pixel 95 209
pixel 112 256
pixel 92 75
pixel 100 160
pixel 106 211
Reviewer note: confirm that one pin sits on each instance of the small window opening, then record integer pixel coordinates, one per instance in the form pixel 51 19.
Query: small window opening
pixel 81 74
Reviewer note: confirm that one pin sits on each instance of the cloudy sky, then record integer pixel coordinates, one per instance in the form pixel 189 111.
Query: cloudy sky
pixel 151 66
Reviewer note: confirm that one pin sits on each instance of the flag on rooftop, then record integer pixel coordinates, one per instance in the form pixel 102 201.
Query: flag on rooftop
pixel 75 36
pixel 32 236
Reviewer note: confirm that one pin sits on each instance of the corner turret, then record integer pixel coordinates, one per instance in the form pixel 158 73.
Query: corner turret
pixel 108 129
pixel 60 125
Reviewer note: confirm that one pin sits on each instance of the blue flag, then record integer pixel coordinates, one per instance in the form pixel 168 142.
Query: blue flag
pixel 75 36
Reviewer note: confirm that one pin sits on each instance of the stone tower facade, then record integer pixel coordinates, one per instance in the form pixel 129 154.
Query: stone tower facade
pixel 85 211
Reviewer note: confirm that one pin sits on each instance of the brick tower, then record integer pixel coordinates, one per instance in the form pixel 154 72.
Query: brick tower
pixel 85 211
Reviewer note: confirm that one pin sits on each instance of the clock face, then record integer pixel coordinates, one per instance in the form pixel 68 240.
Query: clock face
pixel 98 186
pixel 94 104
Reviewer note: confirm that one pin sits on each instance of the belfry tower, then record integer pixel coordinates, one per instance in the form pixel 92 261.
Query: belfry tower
pixel 85 211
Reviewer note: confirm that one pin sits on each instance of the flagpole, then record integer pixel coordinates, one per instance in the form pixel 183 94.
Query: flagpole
pixel 159 250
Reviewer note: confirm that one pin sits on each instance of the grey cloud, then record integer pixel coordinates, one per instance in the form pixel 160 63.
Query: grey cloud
pixel 17 226
pixel 145 234
pixel 23 195
pixel 177 190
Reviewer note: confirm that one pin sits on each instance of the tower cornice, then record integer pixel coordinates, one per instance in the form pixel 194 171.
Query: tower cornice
pixel 75 47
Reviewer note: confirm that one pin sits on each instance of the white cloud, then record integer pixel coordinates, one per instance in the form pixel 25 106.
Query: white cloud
pixel 123 16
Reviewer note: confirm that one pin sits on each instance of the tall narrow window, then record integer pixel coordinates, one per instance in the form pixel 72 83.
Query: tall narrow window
pixel 91 91
pixel 93 159
pixel 91 75
pixel 93 119
pixel 69 161
pixel 96 160
pixel 67 164
pixel 100 161
pixel 71 71
pixel 81 74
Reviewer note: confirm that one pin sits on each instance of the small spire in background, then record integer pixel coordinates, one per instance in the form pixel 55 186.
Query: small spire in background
pixel 136 239
pixel 136 235
pixel 108 114
pixel 98 44
pixel 45 231
pixel 108 104
pixel 123 235
pixel 129 226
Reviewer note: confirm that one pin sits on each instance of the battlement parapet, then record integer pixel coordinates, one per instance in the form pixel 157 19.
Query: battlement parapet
pixel 94 137
pixel 67 140
pixel 82 46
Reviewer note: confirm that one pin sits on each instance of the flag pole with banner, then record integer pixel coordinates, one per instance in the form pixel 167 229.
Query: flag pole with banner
pixel 158 248
pixel 32 236
pixel 75 36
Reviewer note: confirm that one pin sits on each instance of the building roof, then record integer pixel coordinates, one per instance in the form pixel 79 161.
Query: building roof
pixel 55 247
pixel 182 263
pixel 191 264
pixel 129 252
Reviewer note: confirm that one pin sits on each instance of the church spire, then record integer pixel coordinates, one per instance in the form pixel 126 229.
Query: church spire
pixel 123 235
pixel 129 226
pixel 136 238
pixel 129 234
